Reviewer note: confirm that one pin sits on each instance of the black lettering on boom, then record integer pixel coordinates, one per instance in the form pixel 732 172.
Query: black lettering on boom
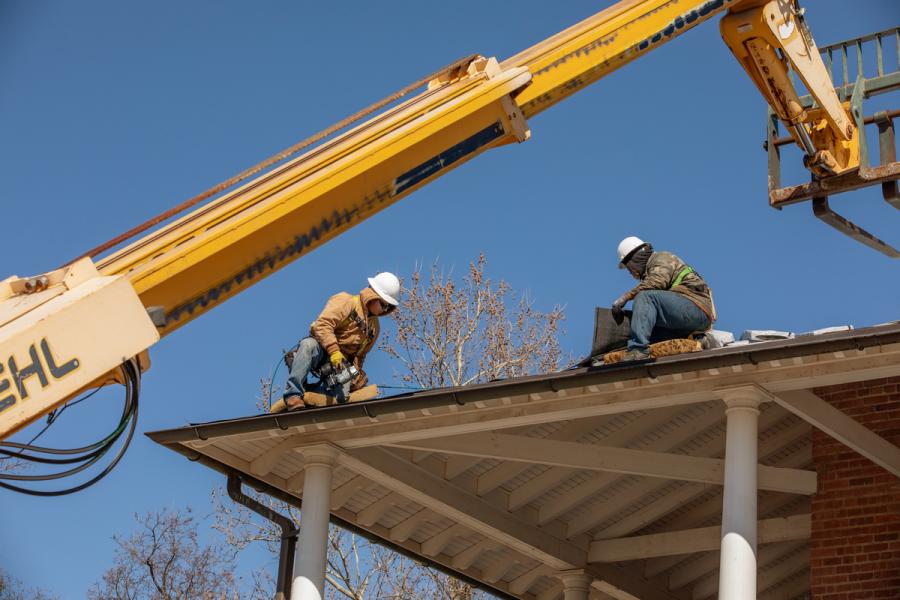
pixel 7 401
pixel 35 368
pixel 57 371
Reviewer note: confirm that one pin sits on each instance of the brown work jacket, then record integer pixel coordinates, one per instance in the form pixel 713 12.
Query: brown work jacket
pixel 340 326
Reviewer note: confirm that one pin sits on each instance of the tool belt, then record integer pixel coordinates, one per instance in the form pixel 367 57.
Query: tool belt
pixel 289 356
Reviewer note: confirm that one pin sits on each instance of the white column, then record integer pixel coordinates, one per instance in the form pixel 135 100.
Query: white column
pixel 576 584
pixel 309 562
pixel 737 562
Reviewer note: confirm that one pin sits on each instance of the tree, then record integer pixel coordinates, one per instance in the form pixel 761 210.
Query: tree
pixel 164 560
pixel 454 334
pixel 13 589
pixel 448 333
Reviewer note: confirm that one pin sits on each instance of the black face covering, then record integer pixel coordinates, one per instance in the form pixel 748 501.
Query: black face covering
pixel 637 263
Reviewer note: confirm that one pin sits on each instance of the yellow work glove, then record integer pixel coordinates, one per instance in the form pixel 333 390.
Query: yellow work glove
pixel 337 359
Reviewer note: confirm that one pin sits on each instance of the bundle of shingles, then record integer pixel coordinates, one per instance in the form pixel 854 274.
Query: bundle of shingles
pixel 715 339
pixel 658 350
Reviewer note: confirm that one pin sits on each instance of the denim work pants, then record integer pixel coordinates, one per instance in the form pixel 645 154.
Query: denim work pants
pixel 308 357
pixel 659 315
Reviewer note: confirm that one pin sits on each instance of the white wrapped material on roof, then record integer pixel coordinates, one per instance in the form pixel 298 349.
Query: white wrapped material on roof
pixel 722 338
pixel 765 335
pixel 826 330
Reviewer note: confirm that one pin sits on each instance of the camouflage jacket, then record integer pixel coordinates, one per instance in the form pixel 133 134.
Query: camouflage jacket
pixel 665 271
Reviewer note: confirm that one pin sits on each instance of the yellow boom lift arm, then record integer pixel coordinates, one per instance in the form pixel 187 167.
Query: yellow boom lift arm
pixel 69 330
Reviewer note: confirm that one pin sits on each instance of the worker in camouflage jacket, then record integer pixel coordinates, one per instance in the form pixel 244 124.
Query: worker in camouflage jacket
pixel 345 331
pixel 671 300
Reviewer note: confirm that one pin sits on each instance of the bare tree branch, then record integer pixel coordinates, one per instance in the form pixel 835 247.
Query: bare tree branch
pixel 13 589
pixel 163 559
pixel 477 323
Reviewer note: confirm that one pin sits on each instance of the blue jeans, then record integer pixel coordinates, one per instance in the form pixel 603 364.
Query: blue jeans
pixel 659 315
pixel 308 357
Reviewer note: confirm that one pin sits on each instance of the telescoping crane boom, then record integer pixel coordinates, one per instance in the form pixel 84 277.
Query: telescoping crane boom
pixel 69 330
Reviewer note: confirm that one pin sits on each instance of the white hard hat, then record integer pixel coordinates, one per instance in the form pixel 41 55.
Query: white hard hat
pixel 627 246
pixel 387 286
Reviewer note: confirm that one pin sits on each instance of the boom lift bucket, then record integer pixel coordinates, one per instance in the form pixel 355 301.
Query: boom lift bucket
pixel 885 172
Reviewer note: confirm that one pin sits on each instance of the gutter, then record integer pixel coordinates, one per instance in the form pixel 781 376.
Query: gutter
pixel 289 534
pixel 858 339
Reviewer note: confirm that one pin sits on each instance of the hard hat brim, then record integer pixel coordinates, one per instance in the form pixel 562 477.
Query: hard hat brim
pixel 381 293
pixel 624 262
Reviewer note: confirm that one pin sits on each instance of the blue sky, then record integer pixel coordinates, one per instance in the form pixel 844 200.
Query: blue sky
pixel 112 112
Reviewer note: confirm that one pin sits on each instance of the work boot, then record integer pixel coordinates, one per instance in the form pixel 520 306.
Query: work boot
pixel 636 354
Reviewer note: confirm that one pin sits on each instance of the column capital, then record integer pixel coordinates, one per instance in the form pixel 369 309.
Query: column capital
pixel 743 397
pixel 324 455
pixel 575 579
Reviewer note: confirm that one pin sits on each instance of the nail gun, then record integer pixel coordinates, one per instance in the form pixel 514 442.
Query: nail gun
pixel 337 377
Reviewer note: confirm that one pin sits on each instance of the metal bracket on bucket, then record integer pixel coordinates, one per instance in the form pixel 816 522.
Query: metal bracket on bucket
pixel 886 173
pixel 889 189
pixel 824 213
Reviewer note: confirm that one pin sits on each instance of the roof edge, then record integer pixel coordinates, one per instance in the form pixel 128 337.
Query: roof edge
pixel 857 339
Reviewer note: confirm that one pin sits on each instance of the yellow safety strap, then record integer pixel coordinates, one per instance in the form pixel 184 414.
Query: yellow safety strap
pixel 357 308
pixel 681 275
pixel 358 311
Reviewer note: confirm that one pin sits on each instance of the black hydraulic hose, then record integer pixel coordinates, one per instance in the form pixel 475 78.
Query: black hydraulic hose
pixel 130 412
pixel 97 449
pixel 51 418
pixel 52 461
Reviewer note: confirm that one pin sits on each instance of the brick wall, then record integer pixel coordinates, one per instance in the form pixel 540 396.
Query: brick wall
pixel 855 545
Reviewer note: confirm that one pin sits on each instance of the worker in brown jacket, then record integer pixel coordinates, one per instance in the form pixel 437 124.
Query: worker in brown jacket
pixel 343 334
pixel 671 300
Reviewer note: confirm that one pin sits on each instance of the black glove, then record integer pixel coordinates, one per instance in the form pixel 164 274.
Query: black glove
pixel 618 310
